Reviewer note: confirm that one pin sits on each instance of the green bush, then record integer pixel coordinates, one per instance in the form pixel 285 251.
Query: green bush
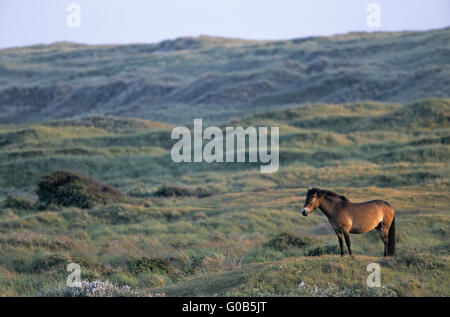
pixel 173 191
pixel 50 262
pixel 287 240
pixel 324 249
pixel 152 265
pixel 71 189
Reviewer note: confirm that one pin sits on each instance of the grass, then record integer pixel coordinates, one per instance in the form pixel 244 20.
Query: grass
pixel 320 276
pixel 226 229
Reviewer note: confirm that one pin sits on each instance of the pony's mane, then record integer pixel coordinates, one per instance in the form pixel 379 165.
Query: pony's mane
pixel 324 192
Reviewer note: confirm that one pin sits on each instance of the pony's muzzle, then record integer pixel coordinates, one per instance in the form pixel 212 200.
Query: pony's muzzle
pixel 305 212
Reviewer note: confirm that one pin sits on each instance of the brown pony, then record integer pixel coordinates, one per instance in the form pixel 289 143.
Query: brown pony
pixel 346 217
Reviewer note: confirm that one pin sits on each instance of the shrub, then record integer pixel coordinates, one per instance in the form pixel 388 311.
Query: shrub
pixel 173 191
pixel 71 189
pixel 51 262
pixel 91 266
pixel 325 249
pixel 152 265
pixel 287 240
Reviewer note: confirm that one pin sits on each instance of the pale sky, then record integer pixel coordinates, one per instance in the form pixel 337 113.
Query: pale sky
pixel 26 22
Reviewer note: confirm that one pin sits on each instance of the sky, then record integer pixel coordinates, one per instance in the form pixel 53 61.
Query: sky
pixel 28 22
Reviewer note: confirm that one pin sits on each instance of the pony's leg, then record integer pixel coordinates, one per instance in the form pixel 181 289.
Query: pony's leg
pixel 383 235
pixel 341 242
pixel 347 241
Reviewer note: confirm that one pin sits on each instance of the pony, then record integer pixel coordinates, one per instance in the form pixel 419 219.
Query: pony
pixel 347 217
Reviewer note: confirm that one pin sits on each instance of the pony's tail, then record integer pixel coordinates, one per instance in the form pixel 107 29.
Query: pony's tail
pixel 391 239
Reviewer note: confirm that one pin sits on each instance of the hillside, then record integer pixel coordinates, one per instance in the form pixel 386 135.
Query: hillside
pixel 122 151
pixel 218 79
pixel 231 231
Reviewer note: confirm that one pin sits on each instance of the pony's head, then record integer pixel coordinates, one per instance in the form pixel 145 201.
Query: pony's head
pixel 312 201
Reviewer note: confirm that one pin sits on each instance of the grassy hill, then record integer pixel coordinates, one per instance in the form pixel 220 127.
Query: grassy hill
pixel 246 236
pixel 218 79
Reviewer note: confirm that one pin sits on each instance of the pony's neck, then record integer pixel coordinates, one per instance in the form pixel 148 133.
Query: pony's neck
pixel 328 207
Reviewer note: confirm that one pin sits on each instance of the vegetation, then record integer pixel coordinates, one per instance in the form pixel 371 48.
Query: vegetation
pixel 86 178
pixel 286 240
pixel 247 236
pixel 218 79
pixel 71 189
pixel 170 191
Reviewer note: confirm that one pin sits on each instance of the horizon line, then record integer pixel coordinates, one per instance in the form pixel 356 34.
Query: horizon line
pixel 225 38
